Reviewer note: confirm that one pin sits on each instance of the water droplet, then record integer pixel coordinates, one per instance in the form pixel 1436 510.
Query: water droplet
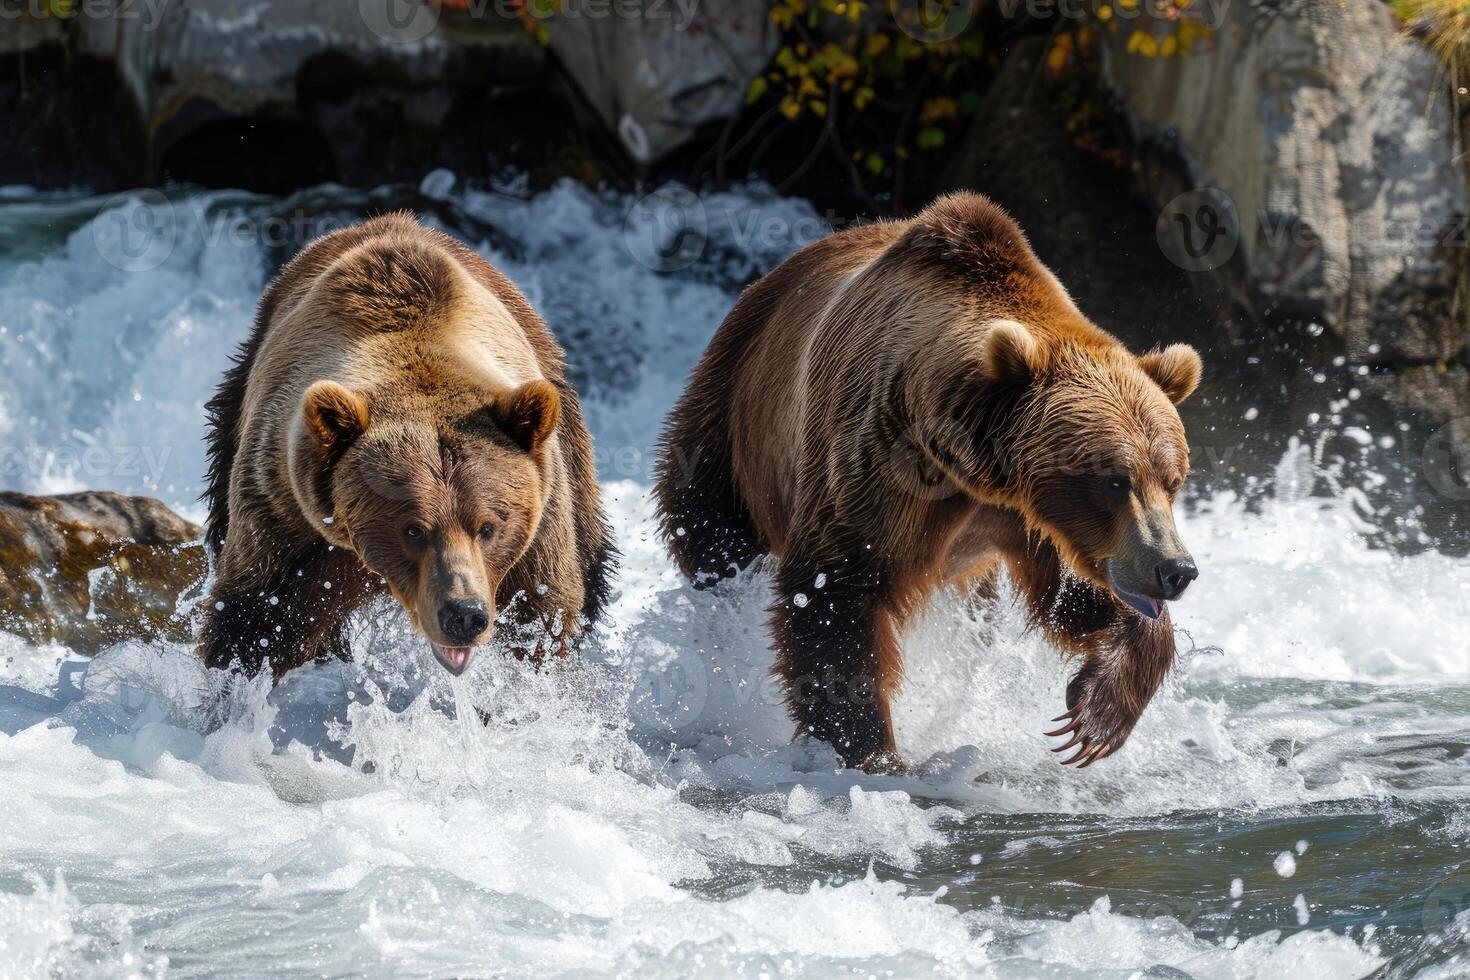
pixel 800 599
pixel 1285 864
pixel 329 520
pixel 821 581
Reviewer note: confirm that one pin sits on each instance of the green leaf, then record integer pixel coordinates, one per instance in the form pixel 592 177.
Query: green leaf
pixel 758 86
pixel 931 138
pixel 874 163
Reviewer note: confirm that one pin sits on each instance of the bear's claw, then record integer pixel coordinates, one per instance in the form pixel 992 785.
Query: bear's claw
pixel 1073 741
pixel 1075 714
pixel 1092 735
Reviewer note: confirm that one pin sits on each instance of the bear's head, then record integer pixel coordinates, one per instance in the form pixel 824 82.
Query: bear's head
pixel 1100 454
pixel 440 499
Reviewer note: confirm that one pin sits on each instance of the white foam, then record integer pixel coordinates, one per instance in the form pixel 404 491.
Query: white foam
pixel 48 933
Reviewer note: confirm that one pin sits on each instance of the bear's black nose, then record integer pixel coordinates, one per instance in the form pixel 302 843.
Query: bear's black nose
pixel 1175 574
pixel 463 620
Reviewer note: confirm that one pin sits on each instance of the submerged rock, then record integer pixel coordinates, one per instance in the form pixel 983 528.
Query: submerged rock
pixel 91 569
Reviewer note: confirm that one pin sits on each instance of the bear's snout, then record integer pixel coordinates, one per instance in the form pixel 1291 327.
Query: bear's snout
pixel 462 621
pixel 1174 575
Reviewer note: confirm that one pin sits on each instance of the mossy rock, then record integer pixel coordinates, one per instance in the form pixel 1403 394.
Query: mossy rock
pixel 88 570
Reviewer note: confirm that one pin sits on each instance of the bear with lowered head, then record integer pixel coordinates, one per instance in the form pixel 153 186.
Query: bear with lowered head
pixel 916 404
pixel 400 422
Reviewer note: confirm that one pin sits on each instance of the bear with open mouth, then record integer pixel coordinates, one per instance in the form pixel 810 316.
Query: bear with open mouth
pixel 399 421
pixel 918 403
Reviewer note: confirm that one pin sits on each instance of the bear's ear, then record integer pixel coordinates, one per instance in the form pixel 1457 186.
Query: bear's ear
pixel 1176 369
pixel 334 415
pixel 529 413
pixel 1009 352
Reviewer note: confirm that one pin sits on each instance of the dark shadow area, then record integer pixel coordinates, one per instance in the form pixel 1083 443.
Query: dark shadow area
pixel 268 155
pixel 66 123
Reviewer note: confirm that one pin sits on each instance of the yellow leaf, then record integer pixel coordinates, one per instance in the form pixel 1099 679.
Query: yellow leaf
pixel 818 106
pixel 790 108
pixel 1143 43
pixel 1056 58
pixel 938 109
pixel 1169 46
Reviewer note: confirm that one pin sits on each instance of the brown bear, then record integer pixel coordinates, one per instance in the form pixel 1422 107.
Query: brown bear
pixel 917 403
pixel 399 420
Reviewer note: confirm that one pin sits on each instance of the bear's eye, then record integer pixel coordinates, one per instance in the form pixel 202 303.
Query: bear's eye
pixel 1117 488
pixel 1173 487
pixel 413 532
pixel 487 531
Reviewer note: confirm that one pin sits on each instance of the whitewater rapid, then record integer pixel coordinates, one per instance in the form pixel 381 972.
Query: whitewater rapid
pixel 642 810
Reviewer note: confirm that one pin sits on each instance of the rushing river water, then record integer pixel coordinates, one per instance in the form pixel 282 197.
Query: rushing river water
pixel 1294 803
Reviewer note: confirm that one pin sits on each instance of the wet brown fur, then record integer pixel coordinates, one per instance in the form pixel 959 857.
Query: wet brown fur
pixel 469 422
pixel 913 404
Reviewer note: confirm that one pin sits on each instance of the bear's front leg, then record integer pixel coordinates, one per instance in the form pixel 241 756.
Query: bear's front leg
pixel 838 657
pixel 1122 669
pixel 1125 657
pixel 286 618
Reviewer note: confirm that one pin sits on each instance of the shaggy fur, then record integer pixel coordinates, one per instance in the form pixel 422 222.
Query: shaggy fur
pixel 943 410
pixel 395 378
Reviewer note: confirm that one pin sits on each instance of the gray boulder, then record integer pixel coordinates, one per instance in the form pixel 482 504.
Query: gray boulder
pixel 1313 143
pixel 348 89
pixel 655 77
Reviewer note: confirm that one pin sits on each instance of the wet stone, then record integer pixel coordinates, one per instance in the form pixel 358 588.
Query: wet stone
pixel 88 570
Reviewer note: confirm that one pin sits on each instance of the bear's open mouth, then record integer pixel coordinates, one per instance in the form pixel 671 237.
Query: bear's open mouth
pixel 452 659
pixel 1143 604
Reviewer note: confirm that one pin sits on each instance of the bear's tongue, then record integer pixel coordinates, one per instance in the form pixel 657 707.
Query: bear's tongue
pixel 1145 606
pixel 453 659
